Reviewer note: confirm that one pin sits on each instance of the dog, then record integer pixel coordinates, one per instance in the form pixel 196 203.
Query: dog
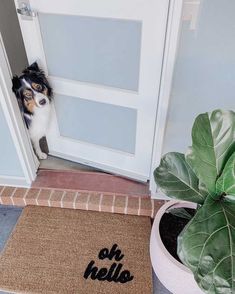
pixel 34 95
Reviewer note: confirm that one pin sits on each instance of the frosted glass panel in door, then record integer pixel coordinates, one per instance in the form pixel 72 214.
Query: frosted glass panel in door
pixel 90 49
pixel 97 123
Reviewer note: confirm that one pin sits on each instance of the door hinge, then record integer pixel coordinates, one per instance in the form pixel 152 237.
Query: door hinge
pixel 25 11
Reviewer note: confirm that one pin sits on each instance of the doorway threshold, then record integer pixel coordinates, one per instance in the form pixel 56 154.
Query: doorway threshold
pixel 90 181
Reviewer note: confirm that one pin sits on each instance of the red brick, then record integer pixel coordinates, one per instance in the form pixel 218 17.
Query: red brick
pixel 44 196
pixel 133 205
pixel 55 199
pixel 6 195
pixel 119 204
pixel 68 199
pixel 107 202
pixel 31 196
pixel 18 196
pixel 81 200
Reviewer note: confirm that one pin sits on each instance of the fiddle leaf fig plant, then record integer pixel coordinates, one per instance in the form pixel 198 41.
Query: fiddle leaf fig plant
pixel 206 176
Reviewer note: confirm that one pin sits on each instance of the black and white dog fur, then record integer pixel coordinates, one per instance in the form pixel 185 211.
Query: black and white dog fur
pixel 34 96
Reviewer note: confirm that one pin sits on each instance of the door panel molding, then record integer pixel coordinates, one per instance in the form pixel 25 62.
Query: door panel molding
pixel 95 92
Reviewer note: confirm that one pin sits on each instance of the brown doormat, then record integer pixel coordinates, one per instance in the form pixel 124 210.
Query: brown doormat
pixel 54 250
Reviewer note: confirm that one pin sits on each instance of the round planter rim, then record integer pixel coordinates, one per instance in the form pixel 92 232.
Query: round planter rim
pixel 156 228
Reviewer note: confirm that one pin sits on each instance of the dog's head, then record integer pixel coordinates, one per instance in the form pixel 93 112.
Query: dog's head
pixel 32 89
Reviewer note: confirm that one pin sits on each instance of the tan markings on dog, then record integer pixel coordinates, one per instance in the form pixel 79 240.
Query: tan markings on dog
pixel 30 104
pixel 45 92
pixel 37 87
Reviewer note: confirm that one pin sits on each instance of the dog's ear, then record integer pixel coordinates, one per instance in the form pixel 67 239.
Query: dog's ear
pixel 46 83
pixel 49 88
pixel 16 84
pixel 33 67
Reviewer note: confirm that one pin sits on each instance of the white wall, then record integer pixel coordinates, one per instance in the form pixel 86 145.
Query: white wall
pixel 204 77
pixel 9 161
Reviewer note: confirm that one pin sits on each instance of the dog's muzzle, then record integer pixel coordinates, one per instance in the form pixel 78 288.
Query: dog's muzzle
pixel 41 100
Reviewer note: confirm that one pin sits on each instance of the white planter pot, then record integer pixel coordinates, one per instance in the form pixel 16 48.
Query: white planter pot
pixel 176 277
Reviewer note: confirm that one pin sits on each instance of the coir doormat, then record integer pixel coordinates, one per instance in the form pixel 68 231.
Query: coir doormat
pixel 54 250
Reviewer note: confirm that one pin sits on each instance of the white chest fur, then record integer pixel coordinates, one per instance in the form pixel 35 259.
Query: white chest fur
pixel 39 123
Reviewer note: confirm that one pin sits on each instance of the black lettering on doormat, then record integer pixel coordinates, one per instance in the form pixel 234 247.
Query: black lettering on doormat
pixel 114 273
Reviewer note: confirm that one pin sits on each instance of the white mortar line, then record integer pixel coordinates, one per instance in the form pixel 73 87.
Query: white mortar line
pixel 1 194
pixel 74 200
pixel 139 206
pixel 101 198
pixel 26 192
pixel 38 196
pixel 61 200
pixel 152 202
pixel 12 196
pixel 114 197
pixel 88 199
pixel 49 199
pixel 126 205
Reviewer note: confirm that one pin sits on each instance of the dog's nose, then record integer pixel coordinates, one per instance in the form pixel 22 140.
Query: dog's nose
pixel 42 102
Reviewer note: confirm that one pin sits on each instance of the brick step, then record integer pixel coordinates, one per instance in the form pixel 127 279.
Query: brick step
pixel 76 199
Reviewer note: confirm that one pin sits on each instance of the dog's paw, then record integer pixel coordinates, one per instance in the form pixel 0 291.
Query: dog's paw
pixel 42 155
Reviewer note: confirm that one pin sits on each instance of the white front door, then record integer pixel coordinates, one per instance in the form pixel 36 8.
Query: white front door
pixel 104 61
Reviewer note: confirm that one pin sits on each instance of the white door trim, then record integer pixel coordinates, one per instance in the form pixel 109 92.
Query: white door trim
pixel 28 160
pixel 171 46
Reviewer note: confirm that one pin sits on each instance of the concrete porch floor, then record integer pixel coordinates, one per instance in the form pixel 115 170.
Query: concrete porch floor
pixel 8 219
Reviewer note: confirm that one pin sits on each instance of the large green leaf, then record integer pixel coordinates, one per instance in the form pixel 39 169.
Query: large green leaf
pixel 207 246
pixel 212 144
pixel 226 182
pixel 177 180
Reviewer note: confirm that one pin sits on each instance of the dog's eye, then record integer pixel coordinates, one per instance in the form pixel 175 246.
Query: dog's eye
pixel 28 94
pixel 37 87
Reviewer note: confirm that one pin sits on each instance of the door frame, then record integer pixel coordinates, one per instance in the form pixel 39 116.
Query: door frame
pixel 21 139
pixel 19 134
pixel 169 58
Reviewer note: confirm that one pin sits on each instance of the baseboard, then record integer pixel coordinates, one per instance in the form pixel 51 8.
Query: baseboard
pixel 13 181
